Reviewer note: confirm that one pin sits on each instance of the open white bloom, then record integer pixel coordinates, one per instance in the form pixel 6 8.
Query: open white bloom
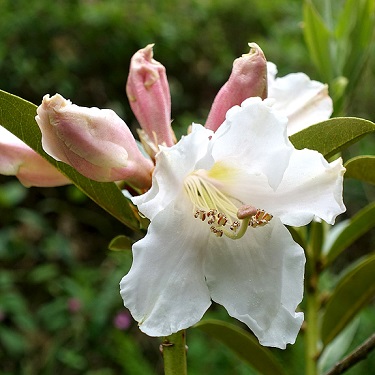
pixel 218 205
pixel 305 102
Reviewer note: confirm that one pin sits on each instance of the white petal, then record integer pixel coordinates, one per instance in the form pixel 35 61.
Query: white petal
pixel 165 290
pixel 172 165
pixel 311 187
pixel 271 72
pixel 252 137
pixel 305 102
pixel 259 280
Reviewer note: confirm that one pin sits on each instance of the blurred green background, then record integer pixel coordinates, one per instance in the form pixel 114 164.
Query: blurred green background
pixel 60 312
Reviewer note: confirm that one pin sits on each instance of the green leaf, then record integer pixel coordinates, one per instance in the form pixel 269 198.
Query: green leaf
pixel 352 293
pixel 357 226
pixel 243 344
pixel 317 37
pixel 357 40
pixel 338 347
pixel 128 354
pixel 299 235
pixel 120 243
pixel 18 116
pixel 331 136
pixel 361 168
pixel 12 342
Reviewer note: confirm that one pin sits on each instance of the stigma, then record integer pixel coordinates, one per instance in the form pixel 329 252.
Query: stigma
pixel 224 214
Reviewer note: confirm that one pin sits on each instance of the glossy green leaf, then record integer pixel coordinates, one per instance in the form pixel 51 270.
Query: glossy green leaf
pixel 352 293
pixel 243 344
pixel 361 168
pixel 357 226
pixel 120 243
pixel 331 136
pixel 18 116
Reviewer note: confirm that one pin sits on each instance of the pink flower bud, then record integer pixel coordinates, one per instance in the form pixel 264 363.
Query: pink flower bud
pixel 18 159
pixel 96 142
pixel 248 79
pixel 149 97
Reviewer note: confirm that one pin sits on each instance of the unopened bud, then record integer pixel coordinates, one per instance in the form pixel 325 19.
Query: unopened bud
pixel 248 79
pixel 149 97
pixel 96 142
pixel 18 159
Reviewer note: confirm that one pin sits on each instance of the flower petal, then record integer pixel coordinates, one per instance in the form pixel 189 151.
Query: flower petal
pixel 310 187
pixel 172 165
pixel 165 290
pixel 252 137
pixel 305 102
pixel 259 280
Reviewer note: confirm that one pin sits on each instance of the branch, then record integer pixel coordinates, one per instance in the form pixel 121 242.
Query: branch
pixel 354 357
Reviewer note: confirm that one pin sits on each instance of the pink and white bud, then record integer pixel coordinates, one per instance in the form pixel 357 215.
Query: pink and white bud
pixel 18 159
pixel 149 97
pixel 96 142
pixel 248 79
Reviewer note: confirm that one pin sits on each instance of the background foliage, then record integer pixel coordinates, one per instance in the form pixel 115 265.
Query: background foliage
pixel 59 310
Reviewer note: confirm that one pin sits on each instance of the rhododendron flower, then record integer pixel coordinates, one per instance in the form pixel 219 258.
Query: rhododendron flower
pixel 96 142
pixel 305 102
pixel 217 206
pixel 18 159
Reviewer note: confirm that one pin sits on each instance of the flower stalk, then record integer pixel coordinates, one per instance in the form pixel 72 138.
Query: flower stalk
pixel 312 349
pixel 312 335
pixel 173 349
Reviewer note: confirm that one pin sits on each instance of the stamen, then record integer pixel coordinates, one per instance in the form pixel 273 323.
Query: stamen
pixel 220 209
pixel 218 232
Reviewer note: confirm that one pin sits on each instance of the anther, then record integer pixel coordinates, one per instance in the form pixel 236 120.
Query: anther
pixel 260 219
pixel 202 215
pixel 235 225
pixel 217 232
pixel 222 219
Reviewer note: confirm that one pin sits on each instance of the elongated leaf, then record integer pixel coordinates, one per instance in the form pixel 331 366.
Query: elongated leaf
pixel 338 347
pixel 361 168
pixel 358 225
pixel 358 40
pixel 243 344
pixel 353 292
pixel 317 37
pixel 331 136
pixel 18 116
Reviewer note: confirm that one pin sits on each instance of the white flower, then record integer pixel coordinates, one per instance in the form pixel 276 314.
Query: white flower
pixel 208 238
pixel 305 102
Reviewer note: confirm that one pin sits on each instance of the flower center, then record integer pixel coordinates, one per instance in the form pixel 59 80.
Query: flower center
pixel 222 212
